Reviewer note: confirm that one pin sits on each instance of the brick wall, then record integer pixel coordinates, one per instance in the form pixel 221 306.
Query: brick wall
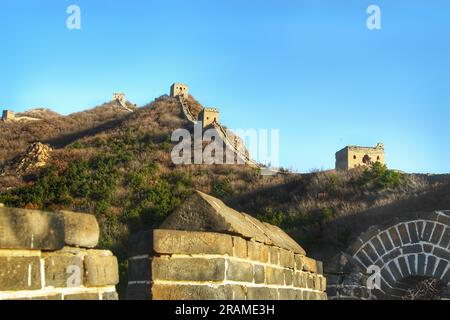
pixel 248 261
pixel 50 256
pixel 205 265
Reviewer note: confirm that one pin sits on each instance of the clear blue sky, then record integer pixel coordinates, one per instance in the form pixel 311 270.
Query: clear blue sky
pixel 310 68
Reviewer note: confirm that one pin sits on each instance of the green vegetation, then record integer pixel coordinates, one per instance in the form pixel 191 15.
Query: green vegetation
pixel 379 177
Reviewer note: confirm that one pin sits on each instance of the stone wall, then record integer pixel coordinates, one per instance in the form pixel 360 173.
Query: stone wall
pixel 51 256
pixel 206 250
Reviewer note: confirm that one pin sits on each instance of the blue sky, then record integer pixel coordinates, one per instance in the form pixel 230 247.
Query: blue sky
pixel 310 68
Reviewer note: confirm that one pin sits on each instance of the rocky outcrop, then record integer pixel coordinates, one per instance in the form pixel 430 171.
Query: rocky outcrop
pixel 35 157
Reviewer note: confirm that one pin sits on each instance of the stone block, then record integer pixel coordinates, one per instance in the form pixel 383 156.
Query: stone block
pixel 238 292
pixel 82 296
pixel 274 254
pixel 240 271
pixel 20 273
pixel 287 259
pixel 309 265
pixel 298 259
pixel 240 248
pixel 262 293
pixel 182 242
pixel 63 270
pixel 101 270
pixel 287 294
pixel 110 296
pixel 31 229
pixel 258 252
pixel 188 269
pixel 274 276
pixel 288 277
pixel 191 292
pixel 260 274
pixel 81 230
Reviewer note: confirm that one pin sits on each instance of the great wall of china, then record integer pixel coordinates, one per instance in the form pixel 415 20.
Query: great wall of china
pixel 206 250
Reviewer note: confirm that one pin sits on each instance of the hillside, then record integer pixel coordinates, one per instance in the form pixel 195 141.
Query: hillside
pixel 116 164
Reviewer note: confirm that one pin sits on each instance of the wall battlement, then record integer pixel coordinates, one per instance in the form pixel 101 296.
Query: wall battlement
pixel 238 258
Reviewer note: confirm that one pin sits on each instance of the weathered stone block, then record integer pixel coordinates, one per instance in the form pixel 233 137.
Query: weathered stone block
pixel 274 276
pixel 298 259
pixel 20 273
pixel 240 248
pixel 63 270
pixel 287 259
pixel 191 292
pixel 31 229
pixel 309 265
pixel 82 296
pixel 81 230
pixel 182 242
pixel 240 271
pixel 110 296
pixel 288 278
pixel 274 254
pixel 262 293
pixel 195 269
pixel 238 292
pixel 258 252
pixel 260 274
pixel 57 296
pixel 287 294
pixel 101 270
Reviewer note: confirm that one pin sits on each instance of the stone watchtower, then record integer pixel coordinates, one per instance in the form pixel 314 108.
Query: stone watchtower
pixel 179 89
pixel 118 96
pixel 8 115
pixel 209 116
pixel 353 156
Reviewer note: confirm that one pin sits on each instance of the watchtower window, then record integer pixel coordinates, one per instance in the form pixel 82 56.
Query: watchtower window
pixel 367 159
pixel 378 158
pixel 354 157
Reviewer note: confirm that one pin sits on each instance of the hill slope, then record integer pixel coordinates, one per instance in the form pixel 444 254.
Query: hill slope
pixel 117 165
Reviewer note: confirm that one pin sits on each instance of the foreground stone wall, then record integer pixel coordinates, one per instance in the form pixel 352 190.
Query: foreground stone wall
pixel 221 254
pixel 50 256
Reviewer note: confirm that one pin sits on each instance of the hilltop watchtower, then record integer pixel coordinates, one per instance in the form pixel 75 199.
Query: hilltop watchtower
pixel 353 156
pixel 179 89
pixel 8 115
pixel 118 96
pixel 209 116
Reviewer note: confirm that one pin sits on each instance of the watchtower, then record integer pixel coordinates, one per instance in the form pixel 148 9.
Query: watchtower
pixel 8 115
pixel 179 89
pixel 118 96
pixel 208 116
pixel 353 156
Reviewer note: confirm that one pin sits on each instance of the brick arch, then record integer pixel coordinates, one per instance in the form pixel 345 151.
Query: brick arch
pixel 406 251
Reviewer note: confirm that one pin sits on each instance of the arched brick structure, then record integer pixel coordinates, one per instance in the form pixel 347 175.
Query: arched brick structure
pixel 405 251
